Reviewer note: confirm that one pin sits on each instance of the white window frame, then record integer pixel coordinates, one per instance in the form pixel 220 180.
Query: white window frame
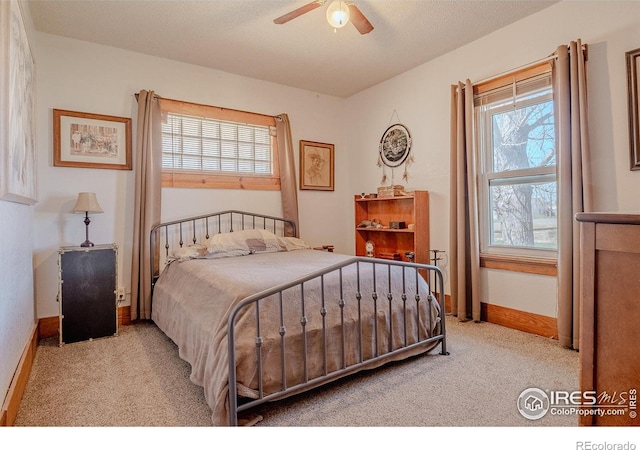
pixel 486 176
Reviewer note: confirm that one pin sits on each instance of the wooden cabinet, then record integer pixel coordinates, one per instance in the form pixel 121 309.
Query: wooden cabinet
pixel 610 317
pixel 87 292
pixel 413 210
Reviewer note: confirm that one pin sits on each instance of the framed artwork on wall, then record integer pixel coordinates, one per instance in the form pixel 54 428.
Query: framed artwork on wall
pixel 17 108
pixel 316 166
pixel 633 86
pixel 91 140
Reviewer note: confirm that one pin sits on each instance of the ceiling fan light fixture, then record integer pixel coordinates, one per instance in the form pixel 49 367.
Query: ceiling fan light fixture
pixel 338 14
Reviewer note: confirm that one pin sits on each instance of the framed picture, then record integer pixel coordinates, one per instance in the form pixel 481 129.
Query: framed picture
pixel 633 86
pixel 17 108
pixel 316 166
pixel 91 140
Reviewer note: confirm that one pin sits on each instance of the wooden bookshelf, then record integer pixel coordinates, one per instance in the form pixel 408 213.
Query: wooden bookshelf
pixel 410 209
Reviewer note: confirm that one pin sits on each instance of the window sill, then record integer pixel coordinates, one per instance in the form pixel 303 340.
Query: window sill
pixel 538 266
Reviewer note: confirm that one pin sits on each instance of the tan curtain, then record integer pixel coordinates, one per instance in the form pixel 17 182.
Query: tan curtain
pixel 146 213
pixel 288 185
pixel 463 232
pixel 574 184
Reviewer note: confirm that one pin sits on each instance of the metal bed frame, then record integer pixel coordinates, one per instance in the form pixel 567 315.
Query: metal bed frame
pixel 195 230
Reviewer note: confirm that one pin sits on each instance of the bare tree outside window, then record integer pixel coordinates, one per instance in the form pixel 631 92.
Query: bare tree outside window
pixel 521 176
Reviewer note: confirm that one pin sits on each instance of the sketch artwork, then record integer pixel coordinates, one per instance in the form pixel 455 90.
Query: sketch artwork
pixel 19 156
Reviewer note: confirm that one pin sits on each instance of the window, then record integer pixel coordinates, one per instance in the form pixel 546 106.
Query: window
pixel 517 159
pixel 211 147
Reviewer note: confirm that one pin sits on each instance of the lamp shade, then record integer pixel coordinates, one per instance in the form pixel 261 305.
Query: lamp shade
pixel 338 14
pixel 87 203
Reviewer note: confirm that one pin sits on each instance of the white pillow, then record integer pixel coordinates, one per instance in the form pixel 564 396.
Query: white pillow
pixel 293 243
pixel 189 252
pixel 239 243
pixel 245 242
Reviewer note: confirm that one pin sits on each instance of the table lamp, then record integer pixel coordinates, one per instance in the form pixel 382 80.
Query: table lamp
pixel 87 203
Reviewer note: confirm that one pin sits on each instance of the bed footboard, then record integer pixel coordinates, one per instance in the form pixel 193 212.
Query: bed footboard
pixel 355 315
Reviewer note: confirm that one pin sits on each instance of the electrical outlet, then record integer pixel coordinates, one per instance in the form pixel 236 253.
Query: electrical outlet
pixel 120 293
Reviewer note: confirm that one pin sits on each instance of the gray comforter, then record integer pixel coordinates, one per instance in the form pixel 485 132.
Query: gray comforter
pixel 193 299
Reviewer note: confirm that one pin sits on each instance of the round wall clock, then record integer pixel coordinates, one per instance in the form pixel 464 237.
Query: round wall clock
pixel 395 145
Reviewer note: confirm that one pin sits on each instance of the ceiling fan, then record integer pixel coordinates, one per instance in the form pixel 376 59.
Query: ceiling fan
pixel 339 13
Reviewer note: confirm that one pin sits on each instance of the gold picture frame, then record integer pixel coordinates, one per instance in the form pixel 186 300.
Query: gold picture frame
pixel 316 166
pixel 94 141
pixel 633 86
pixel 17 108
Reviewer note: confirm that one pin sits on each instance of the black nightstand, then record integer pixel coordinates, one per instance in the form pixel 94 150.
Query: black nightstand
pixel 87 292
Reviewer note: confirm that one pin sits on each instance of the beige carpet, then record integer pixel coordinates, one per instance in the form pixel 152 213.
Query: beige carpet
pixel 137 379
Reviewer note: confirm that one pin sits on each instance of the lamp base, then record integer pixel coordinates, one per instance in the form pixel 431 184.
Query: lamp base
pixel 87 221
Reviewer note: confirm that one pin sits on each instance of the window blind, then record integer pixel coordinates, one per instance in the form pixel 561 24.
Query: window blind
pixel 195 143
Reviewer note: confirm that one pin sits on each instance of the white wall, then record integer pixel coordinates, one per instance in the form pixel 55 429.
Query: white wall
pixel 17 309
pixel 80 76
pixel 421 98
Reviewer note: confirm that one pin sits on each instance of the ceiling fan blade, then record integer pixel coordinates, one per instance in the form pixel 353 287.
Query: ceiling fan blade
pixel 298 12
pixel 359 20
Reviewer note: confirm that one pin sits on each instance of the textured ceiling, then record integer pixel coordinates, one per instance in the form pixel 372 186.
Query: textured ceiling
pixel 239 36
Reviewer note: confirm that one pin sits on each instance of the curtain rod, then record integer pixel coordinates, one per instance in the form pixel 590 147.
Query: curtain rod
pixel 156 96
pixel 526 66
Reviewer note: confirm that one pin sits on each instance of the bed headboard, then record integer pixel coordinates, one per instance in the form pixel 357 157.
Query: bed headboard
pixel 167 236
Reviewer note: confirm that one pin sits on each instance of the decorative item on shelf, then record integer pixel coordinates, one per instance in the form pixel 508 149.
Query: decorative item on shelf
pixel 411 256
pixel 87 203
pixel 370 224
pixel 394 150
pixel 393 256
pixel 397 225
pixel 396 190
pixel 370 247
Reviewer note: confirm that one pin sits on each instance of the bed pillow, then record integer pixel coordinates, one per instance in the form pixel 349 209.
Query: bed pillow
pixel 244 242
pixel 239 243
pixel 292 243
pixel 189 252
